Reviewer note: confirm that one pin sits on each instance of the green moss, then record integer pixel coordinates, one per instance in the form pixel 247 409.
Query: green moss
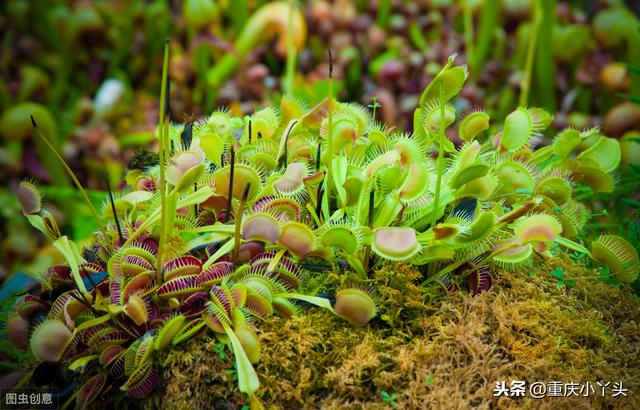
pixel 446 351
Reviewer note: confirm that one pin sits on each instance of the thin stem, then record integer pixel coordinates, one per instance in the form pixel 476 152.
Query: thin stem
pixel 330 130
pixel 319 203
pixel 318 152
pixel 238 222
pixel 533 40
pixel 164 229
pixel 291 52
pixel 436 197
pixel 468 32
pixel 161 114
pixel 286 143
pixel 83 299
pixel 486 259
pixel 69 172
pixel 186 136
pixel 195 207
pixel 163 133
pixel 545 69
pixel 113 209
pixel 487 24
pixel 367 249
pixel 233 162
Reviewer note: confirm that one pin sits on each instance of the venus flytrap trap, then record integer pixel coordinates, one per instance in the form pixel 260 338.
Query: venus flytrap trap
pixel 221 232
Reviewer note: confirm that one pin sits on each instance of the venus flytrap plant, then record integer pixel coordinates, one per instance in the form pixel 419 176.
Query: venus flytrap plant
pixel 219 235
pixel 163 115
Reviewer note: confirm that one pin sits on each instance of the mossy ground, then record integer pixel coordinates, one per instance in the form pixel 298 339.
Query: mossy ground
pixel 438 351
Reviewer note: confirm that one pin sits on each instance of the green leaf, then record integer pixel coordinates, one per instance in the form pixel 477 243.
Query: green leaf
pixel 247 378
pixel 631 98
pixel 81 363
pixel 70 252
pixel 314 300
pixel 224 249
pixel 356 265
pixel 633 68
pixel 568 243
pixel 558 273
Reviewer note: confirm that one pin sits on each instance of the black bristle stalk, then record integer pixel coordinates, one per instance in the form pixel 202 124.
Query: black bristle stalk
pixel 330 64
pixel 113 209
pixel 187 135
pixel 33 122
pixel 233 162
pixel 319 202
pixel 367 251
pixel 372 196
pixel 286 144
pixel 195 207
pixel 286 153
pixel 249 131
pixel 83 299
pixel 245 193
pixel 318 152
pixel 80 299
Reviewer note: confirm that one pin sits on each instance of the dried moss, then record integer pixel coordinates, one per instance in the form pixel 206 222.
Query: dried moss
pixel 441 351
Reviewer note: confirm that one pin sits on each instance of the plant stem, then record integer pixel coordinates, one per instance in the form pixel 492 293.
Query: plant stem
pixel 486 30
pixel 436 197
pixel 230 198
pixel 113 209
pixel 525 85
pixel 330 130
pixel 468 32
pixel 238 222
pixel 163 133
pixel 69 171
pixel 545 66
pixel 291 53
pixel 367 250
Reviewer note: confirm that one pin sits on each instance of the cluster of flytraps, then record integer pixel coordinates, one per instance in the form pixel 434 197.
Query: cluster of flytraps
pixel 214 235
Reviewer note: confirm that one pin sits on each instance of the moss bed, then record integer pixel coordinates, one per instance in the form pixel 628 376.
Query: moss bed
pixel 434 351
